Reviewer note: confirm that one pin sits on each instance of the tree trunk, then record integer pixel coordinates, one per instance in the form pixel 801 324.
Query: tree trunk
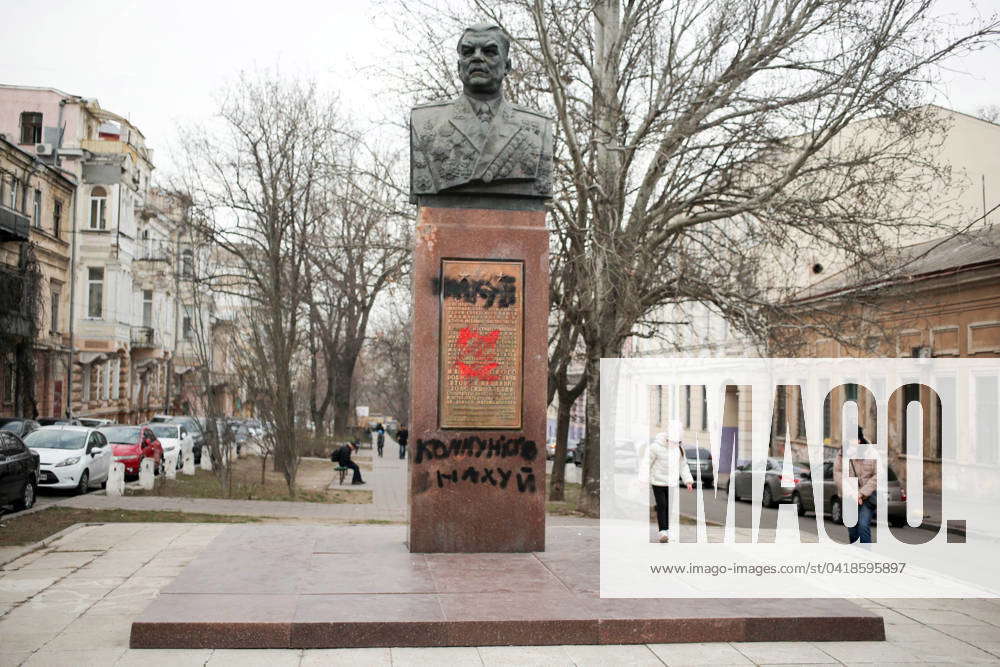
pixel 342 400
pixel 557 481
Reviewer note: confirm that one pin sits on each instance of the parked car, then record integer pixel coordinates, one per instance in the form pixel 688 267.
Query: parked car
pixel 158 419
pixel 174 437
pixel 777 488
pixel 19 470
pixel 834 507
pixel 94 423
pixel 58 421
pixel 194 428
pixel 699 460
pixel 18 426
pixel 71 457
pixel 132 444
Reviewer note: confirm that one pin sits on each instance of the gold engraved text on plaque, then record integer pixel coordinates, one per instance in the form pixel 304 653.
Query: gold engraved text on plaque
pixel 482 333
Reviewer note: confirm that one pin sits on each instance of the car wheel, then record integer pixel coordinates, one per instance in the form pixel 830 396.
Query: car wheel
pixel 84 484
pixel 767 499
pixel 800 509
pixel 836 511
pixel 27 499
pixel 897 522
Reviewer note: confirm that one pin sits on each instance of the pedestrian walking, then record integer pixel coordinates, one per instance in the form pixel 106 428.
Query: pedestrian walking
pixel 667 465
pixel 342 456
pixel 862 465
pixel 401 437
pixel 380 438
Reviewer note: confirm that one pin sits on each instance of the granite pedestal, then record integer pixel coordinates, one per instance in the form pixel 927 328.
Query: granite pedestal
pixel 259 586
pixel 478 375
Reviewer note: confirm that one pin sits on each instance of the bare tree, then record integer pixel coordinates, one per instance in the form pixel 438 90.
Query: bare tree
pixel 385 360
pixel 695 134
pixel 258 178
pixel 361 248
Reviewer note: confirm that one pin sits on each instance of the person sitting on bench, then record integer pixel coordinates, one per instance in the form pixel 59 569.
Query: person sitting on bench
pixel 342 456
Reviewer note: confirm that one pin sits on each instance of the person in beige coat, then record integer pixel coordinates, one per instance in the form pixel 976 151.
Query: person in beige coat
pixel 862 466
pixel 667 464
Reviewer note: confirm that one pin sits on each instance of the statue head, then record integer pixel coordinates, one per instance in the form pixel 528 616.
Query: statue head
pixel 483 60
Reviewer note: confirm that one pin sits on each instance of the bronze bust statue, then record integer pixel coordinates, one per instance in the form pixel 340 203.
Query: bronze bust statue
pixel 478 143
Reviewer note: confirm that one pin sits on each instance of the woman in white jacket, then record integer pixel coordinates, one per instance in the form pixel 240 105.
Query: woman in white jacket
pixel 667 464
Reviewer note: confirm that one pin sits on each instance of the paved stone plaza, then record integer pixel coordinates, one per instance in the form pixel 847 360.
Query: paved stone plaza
pixel 74 600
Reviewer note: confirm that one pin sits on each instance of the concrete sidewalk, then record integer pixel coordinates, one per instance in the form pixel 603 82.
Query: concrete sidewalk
pixel 73 602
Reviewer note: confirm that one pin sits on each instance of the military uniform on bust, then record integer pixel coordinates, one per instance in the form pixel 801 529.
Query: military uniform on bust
pixel 455 145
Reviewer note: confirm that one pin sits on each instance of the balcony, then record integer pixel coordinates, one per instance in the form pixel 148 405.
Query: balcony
pixel 153 250
pixel 144 338
pixel 14 226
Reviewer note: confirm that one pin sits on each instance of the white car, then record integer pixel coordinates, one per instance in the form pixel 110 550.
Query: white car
pixel 70 457
pixel 174 437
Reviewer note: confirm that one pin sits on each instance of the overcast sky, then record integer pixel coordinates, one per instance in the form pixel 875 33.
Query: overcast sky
pixel 159 63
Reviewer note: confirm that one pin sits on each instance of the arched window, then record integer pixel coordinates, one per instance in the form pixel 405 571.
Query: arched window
pixel 98 207
pixel 187 263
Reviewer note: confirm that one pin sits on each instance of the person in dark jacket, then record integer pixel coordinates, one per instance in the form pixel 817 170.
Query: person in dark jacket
pixel 380 440
pixel 401 437
pixel 342 457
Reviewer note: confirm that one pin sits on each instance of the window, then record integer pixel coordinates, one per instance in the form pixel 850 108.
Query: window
pixel 54 309
pixel 9 380
pixel 31 127
pixel 147 307
pixel 38 209
pixel 56 217
pixel 800 429
pixel 659 404
pixel 98 208
pixel 780 411
pixel 106 384
pixel 116 373
pixel 911 393
pixel 95 292
pixel 15 186
pixel 187 263
pixel 188 323
pixel 687 406
pixel 704 408
pixel 851 392
pixel 87 370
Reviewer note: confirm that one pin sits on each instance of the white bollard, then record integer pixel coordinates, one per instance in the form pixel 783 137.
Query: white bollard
pixel 146 474
pixel 206 459
pixel 116 480
pixel 188 465
pixel 171 464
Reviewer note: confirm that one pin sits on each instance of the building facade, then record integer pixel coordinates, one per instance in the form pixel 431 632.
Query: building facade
pixel 35 208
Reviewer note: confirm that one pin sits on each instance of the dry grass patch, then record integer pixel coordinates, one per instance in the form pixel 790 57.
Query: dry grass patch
pixel 314 476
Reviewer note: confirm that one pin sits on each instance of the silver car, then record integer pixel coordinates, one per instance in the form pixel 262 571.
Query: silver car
pixel 776 488
pixel 833 506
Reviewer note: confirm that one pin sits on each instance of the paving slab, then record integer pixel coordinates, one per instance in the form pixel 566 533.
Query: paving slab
pixel 294 586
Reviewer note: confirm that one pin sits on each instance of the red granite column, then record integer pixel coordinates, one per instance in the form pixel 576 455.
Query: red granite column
pixel 477 467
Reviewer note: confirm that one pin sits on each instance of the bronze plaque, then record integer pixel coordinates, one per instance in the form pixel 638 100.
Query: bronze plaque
pixel 482 336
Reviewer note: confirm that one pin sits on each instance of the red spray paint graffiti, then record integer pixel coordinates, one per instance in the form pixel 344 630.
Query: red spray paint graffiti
pixel 477 355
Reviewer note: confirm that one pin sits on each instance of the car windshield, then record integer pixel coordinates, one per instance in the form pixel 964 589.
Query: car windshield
pixel 51 421
pixel 697 453
pixel 13 425
pixel 125 435
pixel 56 439
pixel 164 430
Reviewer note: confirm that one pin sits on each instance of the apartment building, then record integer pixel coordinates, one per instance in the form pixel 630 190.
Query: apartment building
pixel 108 158
pixel 36 202
pixel 969 148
